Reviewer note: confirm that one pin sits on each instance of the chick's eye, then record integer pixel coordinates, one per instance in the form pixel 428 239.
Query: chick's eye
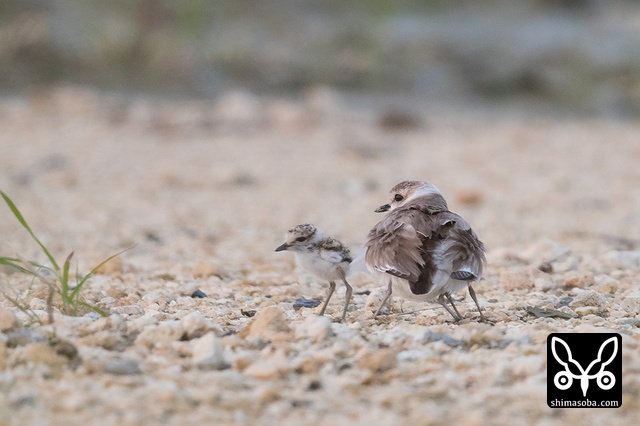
pixel 300 239
pixel 398 198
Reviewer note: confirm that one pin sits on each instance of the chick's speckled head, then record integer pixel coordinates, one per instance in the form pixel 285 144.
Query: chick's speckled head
pixel 300 236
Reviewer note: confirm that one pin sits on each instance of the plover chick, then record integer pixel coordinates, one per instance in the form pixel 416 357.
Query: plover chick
pixel 324 257
pixel 426 251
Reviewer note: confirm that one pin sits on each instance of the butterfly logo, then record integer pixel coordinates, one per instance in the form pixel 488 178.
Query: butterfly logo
pixel 564 379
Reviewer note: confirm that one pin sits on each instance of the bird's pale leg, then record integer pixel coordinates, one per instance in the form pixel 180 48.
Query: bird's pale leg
pixel 453 304
pixel 472 293
pixel 448 309
pixel 347 297
pixel 386 297
pixel 332 288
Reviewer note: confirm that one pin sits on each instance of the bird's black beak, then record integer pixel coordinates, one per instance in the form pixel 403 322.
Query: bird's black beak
pixel 283 247
pixel 383 208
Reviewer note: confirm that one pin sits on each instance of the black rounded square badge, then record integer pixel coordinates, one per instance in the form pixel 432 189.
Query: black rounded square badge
pixel 584 370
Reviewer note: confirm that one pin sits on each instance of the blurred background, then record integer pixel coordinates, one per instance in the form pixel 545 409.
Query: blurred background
pixel 580 55
pixel 196 132
pixel 228 122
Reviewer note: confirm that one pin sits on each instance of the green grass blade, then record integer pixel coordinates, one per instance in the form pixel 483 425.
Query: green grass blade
pixel 24 308
pixel 64 280
pixel 67 300
pixel 24 224
pixel 15 263
pixel 94 309
pixel 84 279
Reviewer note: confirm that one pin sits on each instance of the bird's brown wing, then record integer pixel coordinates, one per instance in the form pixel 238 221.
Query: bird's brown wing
pixel 415 241
pixel 462 249
pixel 402 245
pixel 334 251
pixel 432 228
pixel 394 247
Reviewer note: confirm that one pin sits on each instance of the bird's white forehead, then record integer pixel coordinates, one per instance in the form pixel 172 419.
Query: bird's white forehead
pixel 415 188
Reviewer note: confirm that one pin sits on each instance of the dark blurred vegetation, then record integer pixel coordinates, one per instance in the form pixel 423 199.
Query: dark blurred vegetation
pixel 582 54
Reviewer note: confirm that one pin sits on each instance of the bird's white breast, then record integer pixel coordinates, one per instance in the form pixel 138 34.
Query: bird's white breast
pixel 314 263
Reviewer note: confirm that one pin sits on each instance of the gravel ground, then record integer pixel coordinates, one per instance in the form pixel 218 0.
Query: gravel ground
pixel 204 192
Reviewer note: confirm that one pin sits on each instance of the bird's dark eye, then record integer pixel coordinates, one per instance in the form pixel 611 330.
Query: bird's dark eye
pixel 398 198
pixel 301 239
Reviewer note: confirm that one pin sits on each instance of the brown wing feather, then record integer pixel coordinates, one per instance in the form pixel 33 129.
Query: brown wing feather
pixel 463 248
pixel 401 245
pixel 394 247
pixel 433 228
pixel 404 242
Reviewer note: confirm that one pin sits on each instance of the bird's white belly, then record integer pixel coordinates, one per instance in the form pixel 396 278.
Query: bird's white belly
pixel 320 267
pixel 402 289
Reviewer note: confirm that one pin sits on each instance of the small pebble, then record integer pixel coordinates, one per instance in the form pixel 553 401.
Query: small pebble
pixel 123 367
pixel 588 298
pixel 629 321
pixel 195 325
pixel 208 353
pixel 314 327
pixel 198 294
pixel 587 310
pixel 432 336
pixel 547 313
pixel 543 284
pixel 272 364
pixel 578 280
pixel 268 324
pixel 8 320
pixel 314 385
pixel 306 303
pixel 379 361
pixel 546 267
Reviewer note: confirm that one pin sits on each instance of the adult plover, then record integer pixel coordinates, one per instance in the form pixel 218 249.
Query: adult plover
pixel 324 257
pixel 426 251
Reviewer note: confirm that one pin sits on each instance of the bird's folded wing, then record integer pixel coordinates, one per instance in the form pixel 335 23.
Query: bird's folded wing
pixel 395 248
pixel 463 275
pixel 334 251
pixel 332 256
pixel 465 252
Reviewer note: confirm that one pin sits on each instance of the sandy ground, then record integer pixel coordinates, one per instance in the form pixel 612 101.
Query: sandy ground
pixel 204 191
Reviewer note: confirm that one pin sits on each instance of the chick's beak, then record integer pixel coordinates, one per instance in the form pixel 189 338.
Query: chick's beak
pixel 282 247
pixel 383 208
